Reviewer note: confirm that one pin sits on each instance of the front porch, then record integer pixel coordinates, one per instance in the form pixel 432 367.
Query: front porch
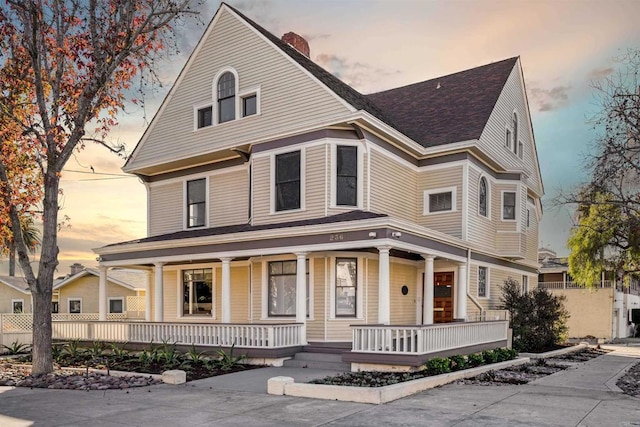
pixel 266 343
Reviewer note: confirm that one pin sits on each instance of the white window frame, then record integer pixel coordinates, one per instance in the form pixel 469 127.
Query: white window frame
pixel 124 309
pixel 21 301
pixel 487 284
pixel 246 93
pixel 454 200
pixel 179 291
pixel 185 216
pixel 69 300
pixel 359 287
pixel 360 175
pixel 515 137
pixel 516 208
pixel 272 184
pixel 196 109
pixel 214 97
pixel 488 181
pixel 264 265
pixel 524 286
pixel 509 141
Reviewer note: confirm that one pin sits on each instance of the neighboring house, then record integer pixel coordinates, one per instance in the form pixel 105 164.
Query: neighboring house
pixel 77 293
pixel 279 194
pixel 15 296
pixel 602 312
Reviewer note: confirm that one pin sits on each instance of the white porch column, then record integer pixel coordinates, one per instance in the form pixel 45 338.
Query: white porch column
pixel 427 298
pixel 102 294
pixel 301 293
pixel 147 300
pixel 384 303
pixel 461 312
pixel 159 292
pixel 226 290
pixel 564 280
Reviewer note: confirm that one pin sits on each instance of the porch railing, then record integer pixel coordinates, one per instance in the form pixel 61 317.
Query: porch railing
pixel 572 285
pixel 426 339
pixel 488 315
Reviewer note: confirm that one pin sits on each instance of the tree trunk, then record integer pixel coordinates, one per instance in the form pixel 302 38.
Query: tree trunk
pixel 42 361
pixel 12 259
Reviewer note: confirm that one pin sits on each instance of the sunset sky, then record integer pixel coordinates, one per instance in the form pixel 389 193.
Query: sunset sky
pixel 565 46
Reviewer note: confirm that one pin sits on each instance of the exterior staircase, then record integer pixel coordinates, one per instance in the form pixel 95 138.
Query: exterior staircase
pixel 321 356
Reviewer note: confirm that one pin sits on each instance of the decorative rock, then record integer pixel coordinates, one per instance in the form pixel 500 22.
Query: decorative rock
pixel 175 376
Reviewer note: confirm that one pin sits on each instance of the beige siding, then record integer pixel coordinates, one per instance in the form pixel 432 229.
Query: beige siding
pixel 481 229
pixel 166 210
pixel 314 189
pixel 445 222
pixel 492 140
pixel 229 198
pixel 7 294
pixel 393 187
pixel 532 236
pixel 87 288
pixel 315 325
pixel 403 307
pixel 290 98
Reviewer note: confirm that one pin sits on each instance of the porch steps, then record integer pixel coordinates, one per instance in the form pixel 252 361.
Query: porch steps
pixel 318 361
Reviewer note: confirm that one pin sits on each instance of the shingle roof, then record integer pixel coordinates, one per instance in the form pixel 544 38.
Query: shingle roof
pixel 242 228
pixel 19 283
pixel 446 109
pixel 456 111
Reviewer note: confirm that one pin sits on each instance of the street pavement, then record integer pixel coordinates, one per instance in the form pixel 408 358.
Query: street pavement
pixel 585 395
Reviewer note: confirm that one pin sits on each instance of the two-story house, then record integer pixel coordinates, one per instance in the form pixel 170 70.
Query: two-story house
pixel 279 195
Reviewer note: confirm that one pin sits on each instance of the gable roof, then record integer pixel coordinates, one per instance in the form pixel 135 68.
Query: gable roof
pixel 15 282
pixel 447 109
pixel 130 279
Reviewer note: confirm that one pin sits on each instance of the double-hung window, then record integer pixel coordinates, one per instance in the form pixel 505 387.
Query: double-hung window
pixel 346 286
pixel 197 292
pixel 482 282
pixel 515 133
pixel 287 181
pixel 282 288
pixel 226 97
pixel 346 175
pixel 509 205
pixel 205 116
pixel 196 202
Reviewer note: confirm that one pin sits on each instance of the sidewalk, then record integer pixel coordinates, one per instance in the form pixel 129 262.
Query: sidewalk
pixel 581 396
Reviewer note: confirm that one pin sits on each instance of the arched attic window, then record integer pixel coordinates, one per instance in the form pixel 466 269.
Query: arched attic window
pixel 482 197
pixel 226 97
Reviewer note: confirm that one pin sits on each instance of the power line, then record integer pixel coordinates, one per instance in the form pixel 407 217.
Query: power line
pixel 99 173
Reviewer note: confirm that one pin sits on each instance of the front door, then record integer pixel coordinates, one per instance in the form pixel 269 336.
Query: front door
pixel 443 297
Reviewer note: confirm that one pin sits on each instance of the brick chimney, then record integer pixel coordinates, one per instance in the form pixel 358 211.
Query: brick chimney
pixel 76 268
pixel 298 42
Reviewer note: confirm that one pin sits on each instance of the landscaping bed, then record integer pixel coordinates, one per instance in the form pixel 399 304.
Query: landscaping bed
pixel 629 383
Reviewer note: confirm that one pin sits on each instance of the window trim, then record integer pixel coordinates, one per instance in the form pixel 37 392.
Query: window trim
pixel 335 289
pixel 515 208
pixel 21 301
pixel 524 286
pixel 185 200
pixel 272 184
pixel 359 287
pixel 454 200
pixel 515 129
pixel 487 197
pixel 196 110
pixel 124 309
pixel 69 300
pixel 333 165
pixel 251 91
pixel 508 137
pixel 487 284
pixel 264 265
pixel 180 292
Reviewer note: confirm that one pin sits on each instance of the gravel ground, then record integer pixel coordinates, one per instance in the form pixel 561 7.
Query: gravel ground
pixel 20 376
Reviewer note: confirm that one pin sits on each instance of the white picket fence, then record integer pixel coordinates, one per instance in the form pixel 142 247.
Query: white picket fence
pixel 426 339
pixel 18 327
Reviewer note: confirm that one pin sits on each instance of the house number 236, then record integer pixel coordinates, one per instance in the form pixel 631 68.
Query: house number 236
pixel 336 237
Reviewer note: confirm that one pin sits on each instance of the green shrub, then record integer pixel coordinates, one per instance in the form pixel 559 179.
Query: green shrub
pixel 538 318
pixel 438 365
pixel 16 348
pixel 475 360
pixel 490 356
pixel 504 354
pixel 458 363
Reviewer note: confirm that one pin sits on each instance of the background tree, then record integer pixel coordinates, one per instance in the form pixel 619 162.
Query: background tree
pixel 31 237
pixel 66 68
pixel 608 205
